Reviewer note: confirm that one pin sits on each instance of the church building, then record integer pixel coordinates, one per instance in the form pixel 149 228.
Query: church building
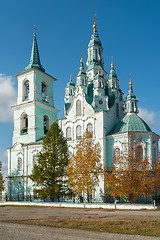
pixel 33 115
pixel 95 103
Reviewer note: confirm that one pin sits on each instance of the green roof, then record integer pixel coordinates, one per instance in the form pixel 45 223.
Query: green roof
pixel 94 40
pixel 67 106
pixel 131 122
pixel 70 83
pixel 112 74
pixel 35 59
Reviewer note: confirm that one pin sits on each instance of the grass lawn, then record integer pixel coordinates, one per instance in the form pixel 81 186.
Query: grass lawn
pixel 147 228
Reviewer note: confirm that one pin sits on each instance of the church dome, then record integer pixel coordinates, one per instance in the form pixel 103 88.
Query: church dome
pixel 112 74
pixel 131 122
pixel 70 84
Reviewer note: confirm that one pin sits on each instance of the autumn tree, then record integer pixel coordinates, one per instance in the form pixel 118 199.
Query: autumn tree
pixel 156 179
pixel 49 173
pixel 131 176
pixel 1 179
pixel 84 167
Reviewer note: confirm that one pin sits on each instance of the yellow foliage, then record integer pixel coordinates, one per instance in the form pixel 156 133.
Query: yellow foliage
pixel 84 167
pixel 131 175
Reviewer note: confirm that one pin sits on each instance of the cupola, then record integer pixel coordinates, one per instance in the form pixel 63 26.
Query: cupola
pixel 131 101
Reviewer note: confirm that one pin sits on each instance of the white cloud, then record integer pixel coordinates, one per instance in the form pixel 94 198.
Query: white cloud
pixel 8 96
pixel 148 116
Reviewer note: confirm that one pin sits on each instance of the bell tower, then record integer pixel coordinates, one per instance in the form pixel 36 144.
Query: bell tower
pixel 34 111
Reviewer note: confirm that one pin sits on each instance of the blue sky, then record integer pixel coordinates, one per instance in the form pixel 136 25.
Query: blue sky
pixel 129 31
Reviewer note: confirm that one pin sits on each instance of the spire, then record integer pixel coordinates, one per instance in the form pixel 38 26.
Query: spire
pixel 35 59
pixel 112 65
pixel 131 101
pixel 70 83
pixel 112 73
pixel 130 83
pixel 70 78
pixel 81 68
pixel 95 25
pixel 95 49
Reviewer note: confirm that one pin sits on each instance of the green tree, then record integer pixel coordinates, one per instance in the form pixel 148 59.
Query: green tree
pixel 1 179
pixel 84 167
pixel 49 173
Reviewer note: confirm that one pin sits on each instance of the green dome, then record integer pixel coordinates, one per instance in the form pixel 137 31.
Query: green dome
pixel 70 84
pixel 131 122
pixel 131 96
pixel 94 40
pixel 112 74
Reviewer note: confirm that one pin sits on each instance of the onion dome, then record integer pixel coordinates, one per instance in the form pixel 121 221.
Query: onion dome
pixel 81 68
pixel 70 83
pixel 112 73
pixel 131 101
pixel 130 95
pixel 94 38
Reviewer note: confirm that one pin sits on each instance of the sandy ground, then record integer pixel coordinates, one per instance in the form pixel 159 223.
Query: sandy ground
pixel 23 213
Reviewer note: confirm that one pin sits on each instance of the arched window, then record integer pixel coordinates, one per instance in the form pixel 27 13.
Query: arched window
pixel 34 159
pixel 132 110
pixel 19 164
pixel 78 132
pixel 71 91
pixel 45 124
pixel 154 155
pixel 68 134
pixel 26 90
pixel 116 153
pixel 24 123
pixel 96 57
pixel 117 110
pixel 139 152
pixel 78 108
pixel 44 91
pixel 82 81
pixel 90 128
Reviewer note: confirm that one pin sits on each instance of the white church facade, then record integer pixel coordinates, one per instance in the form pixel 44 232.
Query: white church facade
pixel 95 103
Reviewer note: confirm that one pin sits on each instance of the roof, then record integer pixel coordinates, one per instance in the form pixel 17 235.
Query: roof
pixel 35 59
pixel 95 40
pixel 70 83
pixel 131 122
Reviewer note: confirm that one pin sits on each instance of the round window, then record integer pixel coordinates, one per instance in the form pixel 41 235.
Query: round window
pixel 100 102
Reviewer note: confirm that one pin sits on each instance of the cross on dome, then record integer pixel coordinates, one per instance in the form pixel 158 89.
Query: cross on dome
pixel 34 27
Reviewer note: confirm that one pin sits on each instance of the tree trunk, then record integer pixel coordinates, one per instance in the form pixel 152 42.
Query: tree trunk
pixel 130 198
pixel 52 198
pixel 81 198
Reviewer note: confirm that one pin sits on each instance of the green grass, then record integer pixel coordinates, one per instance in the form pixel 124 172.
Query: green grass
pixel 146 228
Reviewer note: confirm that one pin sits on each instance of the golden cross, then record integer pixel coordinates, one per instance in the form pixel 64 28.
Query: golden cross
pixel 34 27
pixel 130 83
pixel 95 18
pixel 81 54
pixel 112 65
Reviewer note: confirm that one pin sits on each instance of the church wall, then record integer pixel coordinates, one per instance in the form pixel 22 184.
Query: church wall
pixel 29 109
pixel 21 79
pixel 38 88
pixel 40 112
pixel 19 183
